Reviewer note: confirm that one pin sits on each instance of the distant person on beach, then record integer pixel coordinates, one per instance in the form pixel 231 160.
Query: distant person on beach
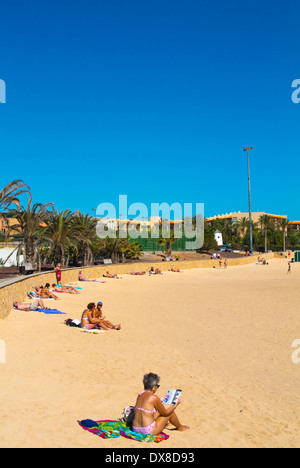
pixel 109 275
pixel 155 272
pixel 137 273
pixel 57 270
pixel 289 269
pixel 82 278
pixel 176 271
pixel 63 289
pixel 35 305
pixel 225 263
pixel 150 415
pixel 104 324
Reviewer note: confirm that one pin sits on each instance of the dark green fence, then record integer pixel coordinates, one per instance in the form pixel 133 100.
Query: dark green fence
pixel 297 256
pixel 152 245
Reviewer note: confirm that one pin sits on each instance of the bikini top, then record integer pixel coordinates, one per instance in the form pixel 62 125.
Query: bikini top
pixel 143 409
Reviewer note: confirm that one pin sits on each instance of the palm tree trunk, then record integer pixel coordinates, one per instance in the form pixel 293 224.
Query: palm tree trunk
pixel 266 240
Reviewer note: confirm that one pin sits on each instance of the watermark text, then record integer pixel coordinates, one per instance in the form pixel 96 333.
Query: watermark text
pixel 2 352
pixel 2 92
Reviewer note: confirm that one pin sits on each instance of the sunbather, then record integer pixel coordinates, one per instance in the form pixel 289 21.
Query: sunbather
pixel 137 273
pixel 82 278
pixel 44 293
pixel 33 306
pixel 104 324
pixel 63 289
pixel 109 275
pixel 176 271
pixel 151 416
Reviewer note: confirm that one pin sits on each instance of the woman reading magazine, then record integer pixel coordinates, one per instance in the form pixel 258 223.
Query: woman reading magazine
pixel 150 415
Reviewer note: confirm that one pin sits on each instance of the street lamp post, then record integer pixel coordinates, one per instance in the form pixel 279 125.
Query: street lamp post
pixel 249 189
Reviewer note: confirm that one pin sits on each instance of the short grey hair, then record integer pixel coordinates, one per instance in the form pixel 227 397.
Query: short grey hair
pixel 150 380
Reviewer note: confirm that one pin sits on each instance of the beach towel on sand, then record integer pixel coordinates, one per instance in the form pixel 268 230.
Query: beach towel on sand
pixel 107 429
pixel 50 311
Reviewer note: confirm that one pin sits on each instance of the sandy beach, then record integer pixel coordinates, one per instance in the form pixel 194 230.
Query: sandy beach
pixel 223 336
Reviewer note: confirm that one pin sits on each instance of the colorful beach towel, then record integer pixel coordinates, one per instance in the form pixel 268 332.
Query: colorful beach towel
pixel 107 429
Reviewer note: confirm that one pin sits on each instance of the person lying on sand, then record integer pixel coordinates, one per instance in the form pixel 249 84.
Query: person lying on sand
pixel 44 293
pixel 33 306
pixel 176 271
pixel 63 289
pixel 82 278
pixel 97 313
pixel 137 273
pixel 150 415
pixel 109 275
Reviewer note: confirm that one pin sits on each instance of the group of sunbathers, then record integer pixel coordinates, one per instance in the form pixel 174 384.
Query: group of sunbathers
pixel 44 292
pixel 106 275
pixel 153 271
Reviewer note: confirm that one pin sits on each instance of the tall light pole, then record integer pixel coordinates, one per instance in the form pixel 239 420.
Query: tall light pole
pixel 249 189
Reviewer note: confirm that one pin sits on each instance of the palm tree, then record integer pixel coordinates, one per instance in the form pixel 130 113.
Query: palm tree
pixel 266 224
pixel 167 243
pixel 30 223
pixel 283 223
pixel 85 228
pixel 10 193
pixel 242 226
pixel 60 232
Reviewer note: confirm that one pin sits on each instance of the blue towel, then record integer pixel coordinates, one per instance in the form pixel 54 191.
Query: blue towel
pixel 50 311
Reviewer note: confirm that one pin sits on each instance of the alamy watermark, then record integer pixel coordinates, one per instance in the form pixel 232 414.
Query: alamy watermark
pixel 296 354
pixel 296 93
pixel 2 92
pixel 155 225
pixel 2 352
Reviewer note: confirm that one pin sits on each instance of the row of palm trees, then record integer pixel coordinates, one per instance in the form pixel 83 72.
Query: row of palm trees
pixel 48 236
pixel 265 232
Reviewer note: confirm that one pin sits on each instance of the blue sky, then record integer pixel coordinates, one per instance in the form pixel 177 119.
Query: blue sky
pixel 155 100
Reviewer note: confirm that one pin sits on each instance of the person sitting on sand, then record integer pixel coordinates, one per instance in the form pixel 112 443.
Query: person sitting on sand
pixel 82 278
pixel 155 272
pixel 44 293
pixel 35 305
pixel 63 289
pixel 150 415
pixel 104 324
pixel 87 320
pixel 109 275
pixel 137 273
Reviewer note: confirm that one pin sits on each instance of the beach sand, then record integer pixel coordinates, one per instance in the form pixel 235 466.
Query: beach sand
pixel 223 336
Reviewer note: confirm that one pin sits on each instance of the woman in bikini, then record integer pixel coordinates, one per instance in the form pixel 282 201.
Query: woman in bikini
pixel 150 415
pixel 87 320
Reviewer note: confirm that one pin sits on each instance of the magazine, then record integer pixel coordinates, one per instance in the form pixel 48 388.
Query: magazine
pixel 172 396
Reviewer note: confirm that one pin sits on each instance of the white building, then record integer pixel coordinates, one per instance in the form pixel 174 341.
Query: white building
pixel 219 237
